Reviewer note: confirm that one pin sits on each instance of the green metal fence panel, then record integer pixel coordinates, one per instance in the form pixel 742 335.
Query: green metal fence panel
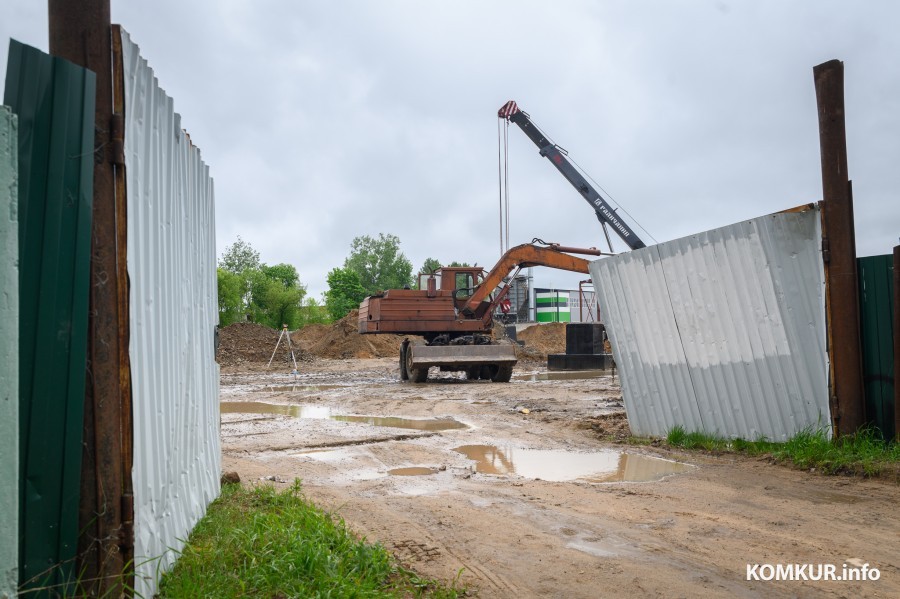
pixel 876 293
pixel 54 101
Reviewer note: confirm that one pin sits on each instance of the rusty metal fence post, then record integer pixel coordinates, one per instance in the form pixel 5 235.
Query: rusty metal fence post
pixel 81 33
pixel 839 254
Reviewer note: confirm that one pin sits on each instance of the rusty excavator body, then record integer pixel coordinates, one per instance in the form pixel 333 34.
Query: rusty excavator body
pixel 453 310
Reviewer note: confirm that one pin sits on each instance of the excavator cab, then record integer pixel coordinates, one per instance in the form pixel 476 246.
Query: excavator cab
pixel 461 281
pixel 453 278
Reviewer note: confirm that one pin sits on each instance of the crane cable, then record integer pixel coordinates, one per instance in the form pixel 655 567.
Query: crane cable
pixel 503 176
pixel 500 181
pixel 609 195
pixel 506 175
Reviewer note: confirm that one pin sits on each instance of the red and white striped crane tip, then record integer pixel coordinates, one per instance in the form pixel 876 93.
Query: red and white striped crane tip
pixel 508 110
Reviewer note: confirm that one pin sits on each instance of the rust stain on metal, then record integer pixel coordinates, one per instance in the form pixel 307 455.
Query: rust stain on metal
pixel 122 286
pixel 841 299
pixel 81 33
pixel 800 208
pixel 117 136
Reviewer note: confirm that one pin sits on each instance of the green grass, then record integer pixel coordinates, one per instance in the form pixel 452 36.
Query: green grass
pixel 259 542
pixel 864 453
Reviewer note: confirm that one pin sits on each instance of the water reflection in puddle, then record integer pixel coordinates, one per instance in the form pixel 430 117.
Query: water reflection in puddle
pixel 324 412
pixel 559 465
pixel 413 471
pixel 258 407
pixel 298 388
pixel 563 375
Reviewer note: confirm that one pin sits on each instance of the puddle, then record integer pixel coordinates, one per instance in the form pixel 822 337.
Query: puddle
pixel 414 471
pixel 299 388
pixel 437 424
pixel 559 465
pixel 591 549
pixel 324 412
pixel 258 407
pixel 563 375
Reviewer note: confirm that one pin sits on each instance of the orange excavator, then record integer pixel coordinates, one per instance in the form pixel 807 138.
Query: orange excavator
pixel 453 310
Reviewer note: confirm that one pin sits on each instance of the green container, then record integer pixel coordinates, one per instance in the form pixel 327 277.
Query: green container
pixel 552 306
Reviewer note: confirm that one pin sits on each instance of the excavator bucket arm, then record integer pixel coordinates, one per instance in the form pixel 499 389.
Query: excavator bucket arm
pixel 523 256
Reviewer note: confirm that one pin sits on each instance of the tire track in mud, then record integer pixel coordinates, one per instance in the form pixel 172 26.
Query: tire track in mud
pixel 497 582
pixel 329 444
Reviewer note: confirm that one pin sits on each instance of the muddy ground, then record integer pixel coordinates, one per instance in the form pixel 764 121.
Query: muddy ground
pixel 533 505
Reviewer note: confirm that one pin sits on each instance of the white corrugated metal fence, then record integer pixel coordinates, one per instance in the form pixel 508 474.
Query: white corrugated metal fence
pixel 722 332
pixel 173 314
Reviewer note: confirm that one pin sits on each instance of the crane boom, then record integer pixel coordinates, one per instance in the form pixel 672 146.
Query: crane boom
pixel 605 213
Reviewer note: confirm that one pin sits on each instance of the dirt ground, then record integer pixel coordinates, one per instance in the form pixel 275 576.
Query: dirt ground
pixel 515 522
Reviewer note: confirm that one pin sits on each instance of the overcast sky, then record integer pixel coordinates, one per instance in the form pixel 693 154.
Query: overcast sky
pixel 323 121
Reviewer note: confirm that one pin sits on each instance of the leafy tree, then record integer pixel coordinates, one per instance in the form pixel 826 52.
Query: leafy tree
pixel 239 257
pixel 231 301
pixel 430 265
pixel 285 273
pixel 241 260
pixel 345 292
pixel 269 295
pixel 276 295
pixel 313 312
pixel 275 304
pixel 379 263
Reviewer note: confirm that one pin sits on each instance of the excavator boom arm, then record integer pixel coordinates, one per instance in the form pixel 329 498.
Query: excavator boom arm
pixel 523 256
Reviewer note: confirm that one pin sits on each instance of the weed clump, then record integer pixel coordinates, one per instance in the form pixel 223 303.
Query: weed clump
pixel 258 542
pixel 863 453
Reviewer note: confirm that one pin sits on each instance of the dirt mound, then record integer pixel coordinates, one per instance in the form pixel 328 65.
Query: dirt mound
pixel 246 342
pixel 542 339
pixel 342 340
pixel 309 335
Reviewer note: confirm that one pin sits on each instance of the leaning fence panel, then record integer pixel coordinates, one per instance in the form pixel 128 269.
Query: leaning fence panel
pixel 724 331
pixel 173 314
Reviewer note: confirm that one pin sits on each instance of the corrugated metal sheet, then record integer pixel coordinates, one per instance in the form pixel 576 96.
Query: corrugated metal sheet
pixel 172 269
pixel 54 101
pixel 9 353
pixel 876 309
pixel 722 332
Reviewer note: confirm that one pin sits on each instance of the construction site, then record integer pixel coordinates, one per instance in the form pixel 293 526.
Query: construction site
pixel 713 413
pixel 532 488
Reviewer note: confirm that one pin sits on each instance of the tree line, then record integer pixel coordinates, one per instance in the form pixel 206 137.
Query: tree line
pixel 252 291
